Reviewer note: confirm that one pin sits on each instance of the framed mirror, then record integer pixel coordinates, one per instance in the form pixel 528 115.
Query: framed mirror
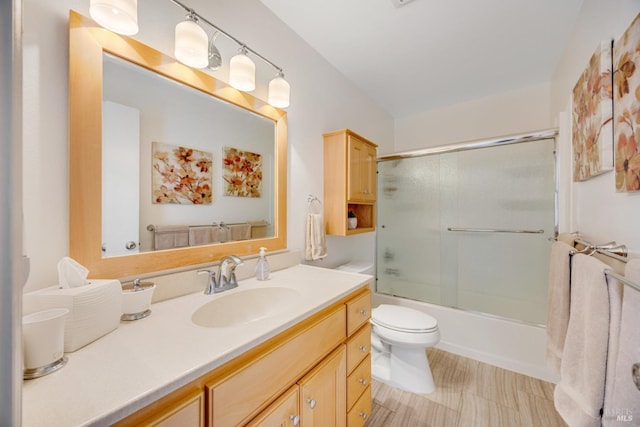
pixel 204 117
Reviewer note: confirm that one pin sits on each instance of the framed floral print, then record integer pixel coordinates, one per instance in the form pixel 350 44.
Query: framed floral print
pixel 242 173
pixel 181 175
pixel 592 127
pixel 626 107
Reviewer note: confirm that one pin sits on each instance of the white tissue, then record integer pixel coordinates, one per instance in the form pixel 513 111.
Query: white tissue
pixel 71 273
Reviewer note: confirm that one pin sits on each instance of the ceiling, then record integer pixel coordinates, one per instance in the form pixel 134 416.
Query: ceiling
pixel 432 53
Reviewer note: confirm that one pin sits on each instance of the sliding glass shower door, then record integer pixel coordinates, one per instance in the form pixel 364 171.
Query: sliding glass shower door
pixel 469 229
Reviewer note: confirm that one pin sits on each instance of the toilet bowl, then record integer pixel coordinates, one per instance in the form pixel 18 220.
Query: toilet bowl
pixel 400 337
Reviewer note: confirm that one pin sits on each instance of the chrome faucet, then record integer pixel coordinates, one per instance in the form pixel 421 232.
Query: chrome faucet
pixel 225 277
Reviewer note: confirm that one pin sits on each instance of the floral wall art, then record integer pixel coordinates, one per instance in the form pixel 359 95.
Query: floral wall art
pixel 626 77
pixel 242 173
pixel 592 128
pixel 181 175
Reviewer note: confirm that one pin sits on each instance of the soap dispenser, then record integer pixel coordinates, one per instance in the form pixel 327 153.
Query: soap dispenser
pixel 262 267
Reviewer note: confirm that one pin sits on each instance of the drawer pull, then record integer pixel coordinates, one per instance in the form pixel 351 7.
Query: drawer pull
pixel 364 312
pixel 363 381
pixel 312 403
pixel 363 348
pixel 363 415
pixel 295 419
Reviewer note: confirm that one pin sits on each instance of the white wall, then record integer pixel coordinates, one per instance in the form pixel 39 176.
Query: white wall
pixel 322 100
pixel 514 112
pixel 598 212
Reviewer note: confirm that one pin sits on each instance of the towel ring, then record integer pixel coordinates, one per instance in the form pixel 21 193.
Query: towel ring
pixel 313 201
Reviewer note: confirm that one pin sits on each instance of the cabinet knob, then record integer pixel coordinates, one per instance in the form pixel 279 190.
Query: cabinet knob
pixel 363 381
pixel 363 348
pixel 295 419
pixel 364 312
pixel 363 415
pixel 311 402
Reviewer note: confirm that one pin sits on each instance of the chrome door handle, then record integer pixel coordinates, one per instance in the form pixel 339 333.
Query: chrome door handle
pixel 312 403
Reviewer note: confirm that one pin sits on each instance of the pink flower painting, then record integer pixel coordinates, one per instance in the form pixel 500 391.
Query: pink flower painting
pixel 181 175
pixel 592 130
pixel 626 106
pixel 242 173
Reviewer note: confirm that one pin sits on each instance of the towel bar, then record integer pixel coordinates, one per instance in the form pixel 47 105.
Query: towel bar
pixel 495 230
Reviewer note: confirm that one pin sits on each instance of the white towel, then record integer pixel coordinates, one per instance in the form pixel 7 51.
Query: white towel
pixel 579 396
pixel 559 294
pixel 622 398
pixel 202 235
pixel 240 231
pixel 315 240
pixel 171 236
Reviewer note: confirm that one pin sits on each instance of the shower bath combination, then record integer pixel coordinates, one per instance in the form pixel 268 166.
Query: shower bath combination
pixel 468 226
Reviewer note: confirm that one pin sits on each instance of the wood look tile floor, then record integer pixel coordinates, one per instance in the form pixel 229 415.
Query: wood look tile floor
pixel 468 394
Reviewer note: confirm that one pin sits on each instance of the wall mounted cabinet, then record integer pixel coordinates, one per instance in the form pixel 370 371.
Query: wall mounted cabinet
pixel 349 182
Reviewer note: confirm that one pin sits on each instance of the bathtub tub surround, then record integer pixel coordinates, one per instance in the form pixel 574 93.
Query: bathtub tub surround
pixel 168 359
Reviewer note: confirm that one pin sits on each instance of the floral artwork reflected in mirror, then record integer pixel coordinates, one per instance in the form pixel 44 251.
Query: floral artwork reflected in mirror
pixel 181 175
pixel 626 77
pixel 242 173
pixel 592 128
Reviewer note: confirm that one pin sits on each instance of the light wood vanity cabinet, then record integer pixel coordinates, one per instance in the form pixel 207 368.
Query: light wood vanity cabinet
pixel 314 374
pixel 349 181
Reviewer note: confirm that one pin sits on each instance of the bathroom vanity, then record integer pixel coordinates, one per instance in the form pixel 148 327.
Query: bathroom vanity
pixel 305 359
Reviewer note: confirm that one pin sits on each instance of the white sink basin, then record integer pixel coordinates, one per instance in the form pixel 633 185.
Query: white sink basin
pixel 244 306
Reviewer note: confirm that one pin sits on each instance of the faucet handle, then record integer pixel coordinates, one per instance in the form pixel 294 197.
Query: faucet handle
pixel 212 283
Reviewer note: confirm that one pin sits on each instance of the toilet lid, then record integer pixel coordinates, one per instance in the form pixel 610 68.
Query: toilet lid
pixel 402 319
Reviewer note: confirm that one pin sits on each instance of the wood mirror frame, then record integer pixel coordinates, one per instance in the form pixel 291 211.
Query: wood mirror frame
pixel 87 44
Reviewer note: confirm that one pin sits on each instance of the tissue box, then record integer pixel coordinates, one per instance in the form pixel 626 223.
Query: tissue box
pixel 94 309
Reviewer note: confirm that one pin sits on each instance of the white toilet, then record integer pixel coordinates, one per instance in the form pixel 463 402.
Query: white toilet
pixel 400 337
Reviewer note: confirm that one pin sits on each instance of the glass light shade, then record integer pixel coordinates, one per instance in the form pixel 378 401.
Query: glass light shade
pixel 119 16
pixel 279 92
pixel 191 44
pixel 242 73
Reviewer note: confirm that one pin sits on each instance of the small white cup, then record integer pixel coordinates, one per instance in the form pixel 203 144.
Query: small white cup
pixel 43 337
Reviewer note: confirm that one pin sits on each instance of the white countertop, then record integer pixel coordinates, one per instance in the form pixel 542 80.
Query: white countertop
pixel 146 359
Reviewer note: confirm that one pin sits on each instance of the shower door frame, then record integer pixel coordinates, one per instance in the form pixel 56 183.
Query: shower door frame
pixel 479 144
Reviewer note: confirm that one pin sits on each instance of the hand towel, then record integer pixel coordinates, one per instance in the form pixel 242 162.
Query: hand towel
pixel 315 240
pixel 622 397
pixel 559 294
pixel 579 396
pixel 240 231
pixel 168 237
pixel 202 235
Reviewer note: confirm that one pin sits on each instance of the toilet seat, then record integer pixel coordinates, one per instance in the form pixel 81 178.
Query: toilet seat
pixel 403 319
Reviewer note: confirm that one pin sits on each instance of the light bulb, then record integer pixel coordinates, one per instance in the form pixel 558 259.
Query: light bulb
pixel 242 72
pixel 191 44
pixel 279 90
pixel 119 16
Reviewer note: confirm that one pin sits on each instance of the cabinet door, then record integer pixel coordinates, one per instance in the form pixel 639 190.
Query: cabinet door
pixel 284 412
pixel 323 393
pixel 362 168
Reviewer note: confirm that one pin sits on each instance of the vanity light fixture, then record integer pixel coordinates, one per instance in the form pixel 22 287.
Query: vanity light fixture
pixel 279 91
pixel 242 71
pixel 241 68
pixel 191 43
pixel 119 16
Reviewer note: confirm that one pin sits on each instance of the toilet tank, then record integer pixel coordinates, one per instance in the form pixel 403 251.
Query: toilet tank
pixel 362 267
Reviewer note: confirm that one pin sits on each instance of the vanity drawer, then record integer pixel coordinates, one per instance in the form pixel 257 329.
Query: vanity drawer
pixel 358 381
pixel 358 312
pixel 361 411
pixel 358 347
pixel 240 396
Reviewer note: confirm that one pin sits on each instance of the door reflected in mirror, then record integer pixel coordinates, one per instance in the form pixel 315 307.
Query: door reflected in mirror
pixel 180 167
